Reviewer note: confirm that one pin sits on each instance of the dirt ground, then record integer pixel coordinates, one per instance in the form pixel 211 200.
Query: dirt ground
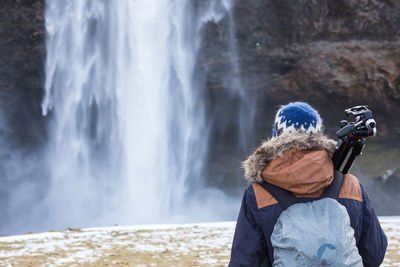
pixel 163 245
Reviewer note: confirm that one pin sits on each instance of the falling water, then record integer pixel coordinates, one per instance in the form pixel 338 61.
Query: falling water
pixel 247 103
pixel 127 132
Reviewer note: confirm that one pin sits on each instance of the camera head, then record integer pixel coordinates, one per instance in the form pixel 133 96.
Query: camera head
pixel 363 126
pixel 352 137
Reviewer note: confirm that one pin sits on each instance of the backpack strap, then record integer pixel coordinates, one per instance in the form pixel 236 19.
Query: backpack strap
pixel 286 198
pixel 333 190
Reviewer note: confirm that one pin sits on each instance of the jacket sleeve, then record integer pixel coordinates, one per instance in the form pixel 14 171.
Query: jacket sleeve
pixel 373 241
pixel 248 247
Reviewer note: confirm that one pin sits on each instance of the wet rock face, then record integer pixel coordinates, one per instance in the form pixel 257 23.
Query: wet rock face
pixel 331 53
pixel 279 23
pixel 337 75
pixel 22 126
pixel 22 46
pixel 21 43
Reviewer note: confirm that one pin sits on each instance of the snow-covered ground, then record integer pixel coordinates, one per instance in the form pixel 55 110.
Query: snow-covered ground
pixel 391 226
pixel 203 244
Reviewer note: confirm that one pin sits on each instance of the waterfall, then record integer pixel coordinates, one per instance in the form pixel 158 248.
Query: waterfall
pixel 127 133
pixel 247 102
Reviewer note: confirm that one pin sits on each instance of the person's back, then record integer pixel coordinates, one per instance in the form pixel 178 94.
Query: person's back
pixel 298 158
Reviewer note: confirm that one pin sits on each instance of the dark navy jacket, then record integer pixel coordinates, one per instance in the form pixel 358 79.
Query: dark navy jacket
pixel 252 246
pixel 305 172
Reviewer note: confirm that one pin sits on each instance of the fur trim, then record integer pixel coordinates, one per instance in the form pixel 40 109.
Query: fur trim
pixel 274 147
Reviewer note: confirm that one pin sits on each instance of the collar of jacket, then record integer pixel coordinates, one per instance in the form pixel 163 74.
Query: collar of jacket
pixel 281 148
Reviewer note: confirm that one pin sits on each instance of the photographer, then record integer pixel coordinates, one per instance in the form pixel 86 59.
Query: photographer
pixel 298 158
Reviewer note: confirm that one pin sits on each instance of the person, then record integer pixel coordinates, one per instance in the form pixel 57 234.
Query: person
pixel 298 158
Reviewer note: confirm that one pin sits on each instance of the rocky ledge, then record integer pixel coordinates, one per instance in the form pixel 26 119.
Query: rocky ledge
pixel 334 54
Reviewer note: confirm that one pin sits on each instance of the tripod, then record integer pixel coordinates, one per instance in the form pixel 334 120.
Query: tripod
pixel 352 137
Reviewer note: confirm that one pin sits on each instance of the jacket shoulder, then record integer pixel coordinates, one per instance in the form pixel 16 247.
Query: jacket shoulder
pixel 351 188
pixel 262 196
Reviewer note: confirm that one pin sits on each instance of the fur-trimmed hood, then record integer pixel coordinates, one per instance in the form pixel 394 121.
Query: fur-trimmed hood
pixel 276 146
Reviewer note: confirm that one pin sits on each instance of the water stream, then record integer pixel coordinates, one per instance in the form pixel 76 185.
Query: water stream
pixel 128 137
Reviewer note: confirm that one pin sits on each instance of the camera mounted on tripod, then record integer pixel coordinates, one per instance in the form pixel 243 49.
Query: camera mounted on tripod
pixel 364 125
pixel 352 137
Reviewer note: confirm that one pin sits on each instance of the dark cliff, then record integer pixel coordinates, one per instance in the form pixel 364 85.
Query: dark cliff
pixel 22 126
pixel 331 53
pixel 22 46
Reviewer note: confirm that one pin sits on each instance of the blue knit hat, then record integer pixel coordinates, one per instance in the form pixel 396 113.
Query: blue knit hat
pixel 297 117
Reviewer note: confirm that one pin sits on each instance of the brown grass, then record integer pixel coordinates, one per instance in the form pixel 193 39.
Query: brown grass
pixel 126 251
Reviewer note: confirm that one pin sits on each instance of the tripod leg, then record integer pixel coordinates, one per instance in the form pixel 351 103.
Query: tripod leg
pixel 357 149
pixel 340 154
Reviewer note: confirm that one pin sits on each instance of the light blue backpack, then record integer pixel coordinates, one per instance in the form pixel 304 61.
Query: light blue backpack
pixel 316 233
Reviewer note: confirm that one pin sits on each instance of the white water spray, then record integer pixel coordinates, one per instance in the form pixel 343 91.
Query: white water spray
pixel 128 131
